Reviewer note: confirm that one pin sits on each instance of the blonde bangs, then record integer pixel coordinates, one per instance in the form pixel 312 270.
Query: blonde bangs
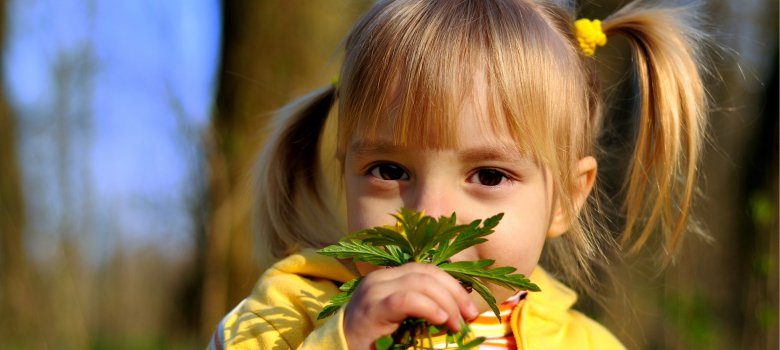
pixel 408 64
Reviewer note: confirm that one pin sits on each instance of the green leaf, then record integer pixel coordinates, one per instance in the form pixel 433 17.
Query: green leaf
pixel 358 250
pixel 351 285
pixel 481 289
pixel 468 235
pixel 450 338
pixel 383 236
pixel 491 222
pixel 436 233
pixel 473 344
pixel 458 338
pixel 467 266
pixel 410 222
pixel 397 253
pixel 501 276
pixel 328 310
pixel 384 343
pixel 338 300
pixel 408 218
pixel 334 304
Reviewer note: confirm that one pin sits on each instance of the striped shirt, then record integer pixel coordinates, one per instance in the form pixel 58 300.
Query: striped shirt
pixel 497 332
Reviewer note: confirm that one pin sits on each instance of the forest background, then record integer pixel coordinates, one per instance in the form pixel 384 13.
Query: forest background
pixel 128 132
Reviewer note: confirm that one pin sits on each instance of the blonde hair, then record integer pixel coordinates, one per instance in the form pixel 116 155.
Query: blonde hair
pixel 413 61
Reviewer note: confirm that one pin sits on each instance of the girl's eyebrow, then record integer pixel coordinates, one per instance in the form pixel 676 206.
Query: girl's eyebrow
pixel 504 153
pixel 364 148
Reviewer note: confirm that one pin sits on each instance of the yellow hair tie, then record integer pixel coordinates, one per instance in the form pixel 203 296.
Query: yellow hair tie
pixel 589 35
pixel 334 81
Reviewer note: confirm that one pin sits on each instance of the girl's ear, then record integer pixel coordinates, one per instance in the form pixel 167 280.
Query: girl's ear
pixel 585 178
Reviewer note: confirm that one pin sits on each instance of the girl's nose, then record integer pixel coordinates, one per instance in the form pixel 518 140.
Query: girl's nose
pixel 435 200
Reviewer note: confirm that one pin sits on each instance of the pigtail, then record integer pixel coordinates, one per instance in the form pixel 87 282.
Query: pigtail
pixel 672 106
pixel 292 209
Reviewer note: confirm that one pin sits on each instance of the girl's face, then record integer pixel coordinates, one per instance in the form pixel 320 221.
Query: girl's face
pixel 485 174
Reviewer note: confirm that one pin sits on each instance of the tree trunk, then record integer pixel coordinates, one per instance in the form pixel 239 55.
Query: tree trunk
pixel 15 301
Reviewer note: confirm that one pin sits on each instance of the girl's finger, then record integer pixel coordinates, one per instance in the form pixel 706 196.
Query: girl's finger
pixel 443 281
pixel 437 285
pixel 400 305
pixel 375 314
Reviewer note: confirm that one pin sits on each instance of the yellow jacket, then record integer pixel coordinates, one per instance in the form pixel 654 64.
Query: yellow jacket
pixel 281 312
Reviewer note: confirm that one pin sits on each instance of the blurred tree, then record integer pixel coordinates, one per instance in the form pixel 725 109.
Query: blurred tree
pixel 271 52
pixel 15 298
pixel 44 305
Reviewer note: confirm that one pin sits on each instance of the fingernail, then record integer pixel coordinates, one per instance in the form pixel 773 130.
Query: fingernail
pixel 441 315
pixel 473 312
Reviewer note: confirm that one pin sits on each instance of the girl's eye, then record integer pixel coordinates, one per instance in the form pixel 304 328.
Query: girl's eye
pixel 388 171
pixel 488 177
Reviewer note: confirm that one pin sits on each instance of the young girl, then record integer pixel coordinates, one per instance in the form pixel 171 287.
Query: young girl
pixel 476 107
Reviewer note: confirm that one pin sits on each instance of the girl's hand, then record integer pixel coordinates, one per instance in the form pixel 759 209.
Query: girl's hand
pixel 386 297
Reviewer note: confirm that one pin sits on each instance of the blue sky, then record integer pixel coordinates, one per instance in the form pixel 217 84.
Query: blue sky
pixel 111 98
